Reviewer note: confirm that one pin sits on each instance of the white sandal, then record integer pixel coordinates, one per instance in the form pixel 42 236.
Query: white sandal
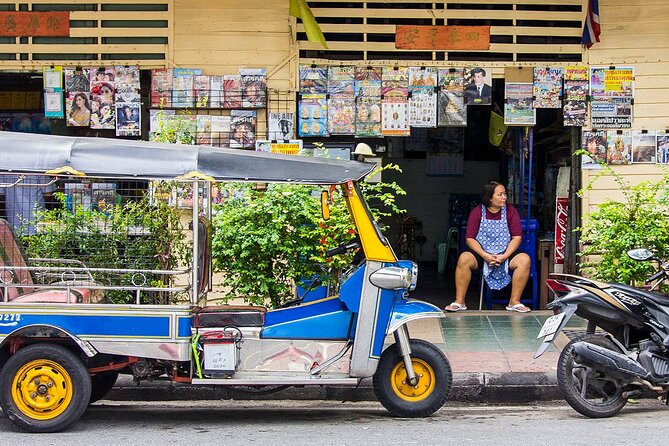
pixel 520 308
pixel 453 307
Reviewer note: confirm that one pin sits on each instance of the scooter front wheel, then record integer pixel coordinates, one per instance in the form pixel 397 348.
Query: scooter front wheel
pixel 434 380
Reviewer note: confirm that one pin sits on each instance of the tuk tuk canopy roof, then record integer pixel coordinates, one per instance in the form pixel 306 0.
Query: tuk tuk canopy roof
pixel 106 157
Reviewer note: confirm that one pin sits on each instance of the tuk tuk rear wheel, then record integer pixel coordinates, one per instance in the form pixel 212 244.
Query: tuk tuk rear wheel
pixel 404 400
pixel 44 388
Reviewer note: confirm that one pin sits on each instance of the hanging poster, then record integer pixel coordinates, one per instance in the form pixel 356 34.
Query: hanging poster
pixel 662 156
pixel 368 117
pixel 128 119
pixel 216 96
pixel 422 77
pixel 242 129
pixel 313 79
pixel 395 82
pixel 518 108
pixel 478 89
pixel 423 107
pixel 611 93
pixel 53 92
pixel 594 142
pixel 341 82
pixel 451 109
pixel 644 146
pixel 76 79
pixel 232 96
pixel 395 116
pixel 201 90
pixel 280 126
pixel 220 131
pixel 341 116
pixel 547 87
pixel 368 81
pixel 254 87
pixel 103 114
pixel 576 87
pixel 313 114
pixel 619 147
pixel 78 109
pixel 126 78
pixel 161 88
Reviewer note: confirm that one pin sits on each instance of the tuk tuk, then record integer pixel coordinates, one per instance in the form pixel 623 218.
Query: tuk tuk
pixel 65 336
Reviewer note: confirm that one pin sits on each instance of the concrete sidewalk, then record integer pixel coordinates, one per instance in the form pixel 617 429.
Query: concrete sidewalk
pixel 491 355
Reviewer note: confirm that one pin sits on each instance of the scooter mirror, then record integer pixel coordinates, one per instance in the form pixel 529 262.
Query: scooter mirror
pixel 640 254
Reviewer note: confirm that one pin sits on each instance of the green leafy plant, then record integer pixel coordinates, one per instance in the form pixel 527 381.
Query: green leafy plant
pixel 266 240
pixel 638 221
pixel 139 234
pixel 175 128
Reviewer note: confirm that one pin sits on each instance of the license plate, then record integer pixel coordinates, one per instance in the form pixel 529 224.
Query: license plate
pixel 551 325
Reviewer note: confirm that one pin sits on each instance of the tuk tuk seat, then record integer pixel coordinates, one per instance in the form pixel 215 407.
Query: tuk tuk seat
pixel 12 256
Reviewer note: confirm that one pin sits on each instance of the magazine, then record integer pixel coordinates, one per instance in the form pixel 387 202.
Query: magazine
pixel 422 77
pixel 232 85
pixel 644 146
pixel 182 87
pixel 341 82
pixel 161 88
pixel 77 195
pixel 367 81
pixel 547 87
pixel 662 156
pixel 594 142
pixel 395 82
pixel 78 109
pixel 575 110
pixel 127 79
pixel 313 79
pixel 104 197
pixel 395 112
pixel 518 109
pixel 280 126
pixel 128 116
pixel 254 87
pixel 77 80
pixel 242 129
pixel 313 115
pixel 423 107
pixel 203 132
pixel 220 131
pixel 201 90
pixel 619 147
pixel 341 116
pixel 368 117
pixel 216 92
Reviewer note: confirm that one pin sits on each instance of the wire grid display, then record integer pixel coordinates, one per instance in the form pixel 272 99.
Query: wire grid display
pixel 93 241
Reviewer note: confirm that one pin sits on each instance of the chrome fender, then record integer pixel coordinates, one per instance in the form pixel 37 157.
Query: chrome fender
pixel 411 310
pixel 29 330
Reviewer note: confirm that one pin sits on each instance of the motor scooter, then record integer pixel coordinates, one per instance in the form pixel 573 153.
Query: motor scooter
pixel 61 348
pixel 598 371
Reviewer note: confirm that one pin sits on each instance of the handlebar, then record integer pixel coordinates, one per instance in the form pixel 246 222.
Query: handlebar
pixel 343 248
pixel 655 276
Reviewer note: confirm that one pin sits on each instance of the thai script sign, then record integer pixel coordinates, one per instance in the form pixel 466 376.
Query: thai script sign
pixel 411 37
pixel 561 216
pixel 35 24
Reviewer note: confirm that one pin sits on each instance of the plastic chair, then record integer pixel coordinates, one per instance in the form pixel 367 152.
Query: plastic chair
pixel 444 249
pixel 485 293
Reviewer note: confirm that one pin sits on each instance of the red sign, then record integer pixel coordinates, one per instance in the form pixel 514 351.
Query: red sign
pixel 35 24
pixel 561 217
pixel 410 37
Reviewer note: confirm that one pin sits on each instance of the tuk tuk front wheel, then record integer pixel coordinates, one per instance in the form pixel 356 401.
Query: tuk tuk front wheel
pixel 44 388
pixel 428 395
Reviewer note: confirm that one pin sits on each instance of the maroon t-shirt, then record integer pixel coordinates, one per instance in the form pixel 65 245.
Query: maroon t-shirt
pixel 512 220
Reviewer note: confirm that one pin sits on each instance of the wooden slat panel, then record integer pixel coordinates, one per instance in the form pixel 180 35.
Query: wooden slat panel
pixel 97 2
pixel 206 58
pixel 120 32
pixel 494 47
pixel 494 30
pixel 120 15
pixel 60 48
pixel 33 64
pixel 635 29
pixel 446 14
pixel 651 69
pixel 633 13
pixel 627 56
pixel 234 43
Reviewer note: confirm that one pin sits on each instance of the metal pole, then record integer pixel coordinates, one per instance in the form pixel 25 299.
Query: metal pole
pixel 195 263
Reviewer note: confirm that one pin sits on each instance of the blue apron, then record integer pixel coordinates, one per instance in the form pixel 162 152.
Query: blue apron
pixel 494 238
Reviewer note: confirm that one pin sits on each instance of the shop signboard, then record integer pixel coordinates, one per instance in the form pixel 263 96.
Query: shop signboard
pixel 35 24
pixel 417 37
pixel 561 215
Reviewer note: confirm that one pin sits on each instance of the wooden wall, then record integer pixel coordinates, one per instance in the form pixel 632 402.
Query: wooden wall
pixel 637 34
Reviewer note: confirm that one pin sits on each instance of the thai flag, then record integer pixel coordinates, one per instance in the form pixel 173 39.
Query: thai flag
pixel 592 28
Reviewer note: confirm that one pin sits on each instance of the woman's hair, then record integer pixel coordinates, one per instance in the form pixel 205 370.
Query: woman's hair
pixel 83 96
pixel 489 191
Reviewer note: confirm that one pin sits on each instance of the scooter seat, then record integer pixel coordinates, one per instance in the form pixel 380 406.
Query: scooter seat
pixel 224 315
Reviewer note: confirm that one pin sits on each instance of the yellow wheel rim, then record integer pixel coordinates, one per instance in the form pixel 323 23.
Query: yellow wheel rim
pixel 426 381
pixel 42 389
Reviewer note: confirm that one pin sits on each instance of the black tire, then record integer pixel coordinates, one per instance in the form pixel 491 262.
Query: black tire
pixel 101 384
pixel 403 400
pixel 603 398
pixel 44 388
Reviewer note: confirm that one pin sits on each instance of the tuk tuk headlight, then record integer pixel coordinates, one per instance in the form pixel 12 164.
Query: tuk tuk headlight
pixel 414 276
pixel 392 278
